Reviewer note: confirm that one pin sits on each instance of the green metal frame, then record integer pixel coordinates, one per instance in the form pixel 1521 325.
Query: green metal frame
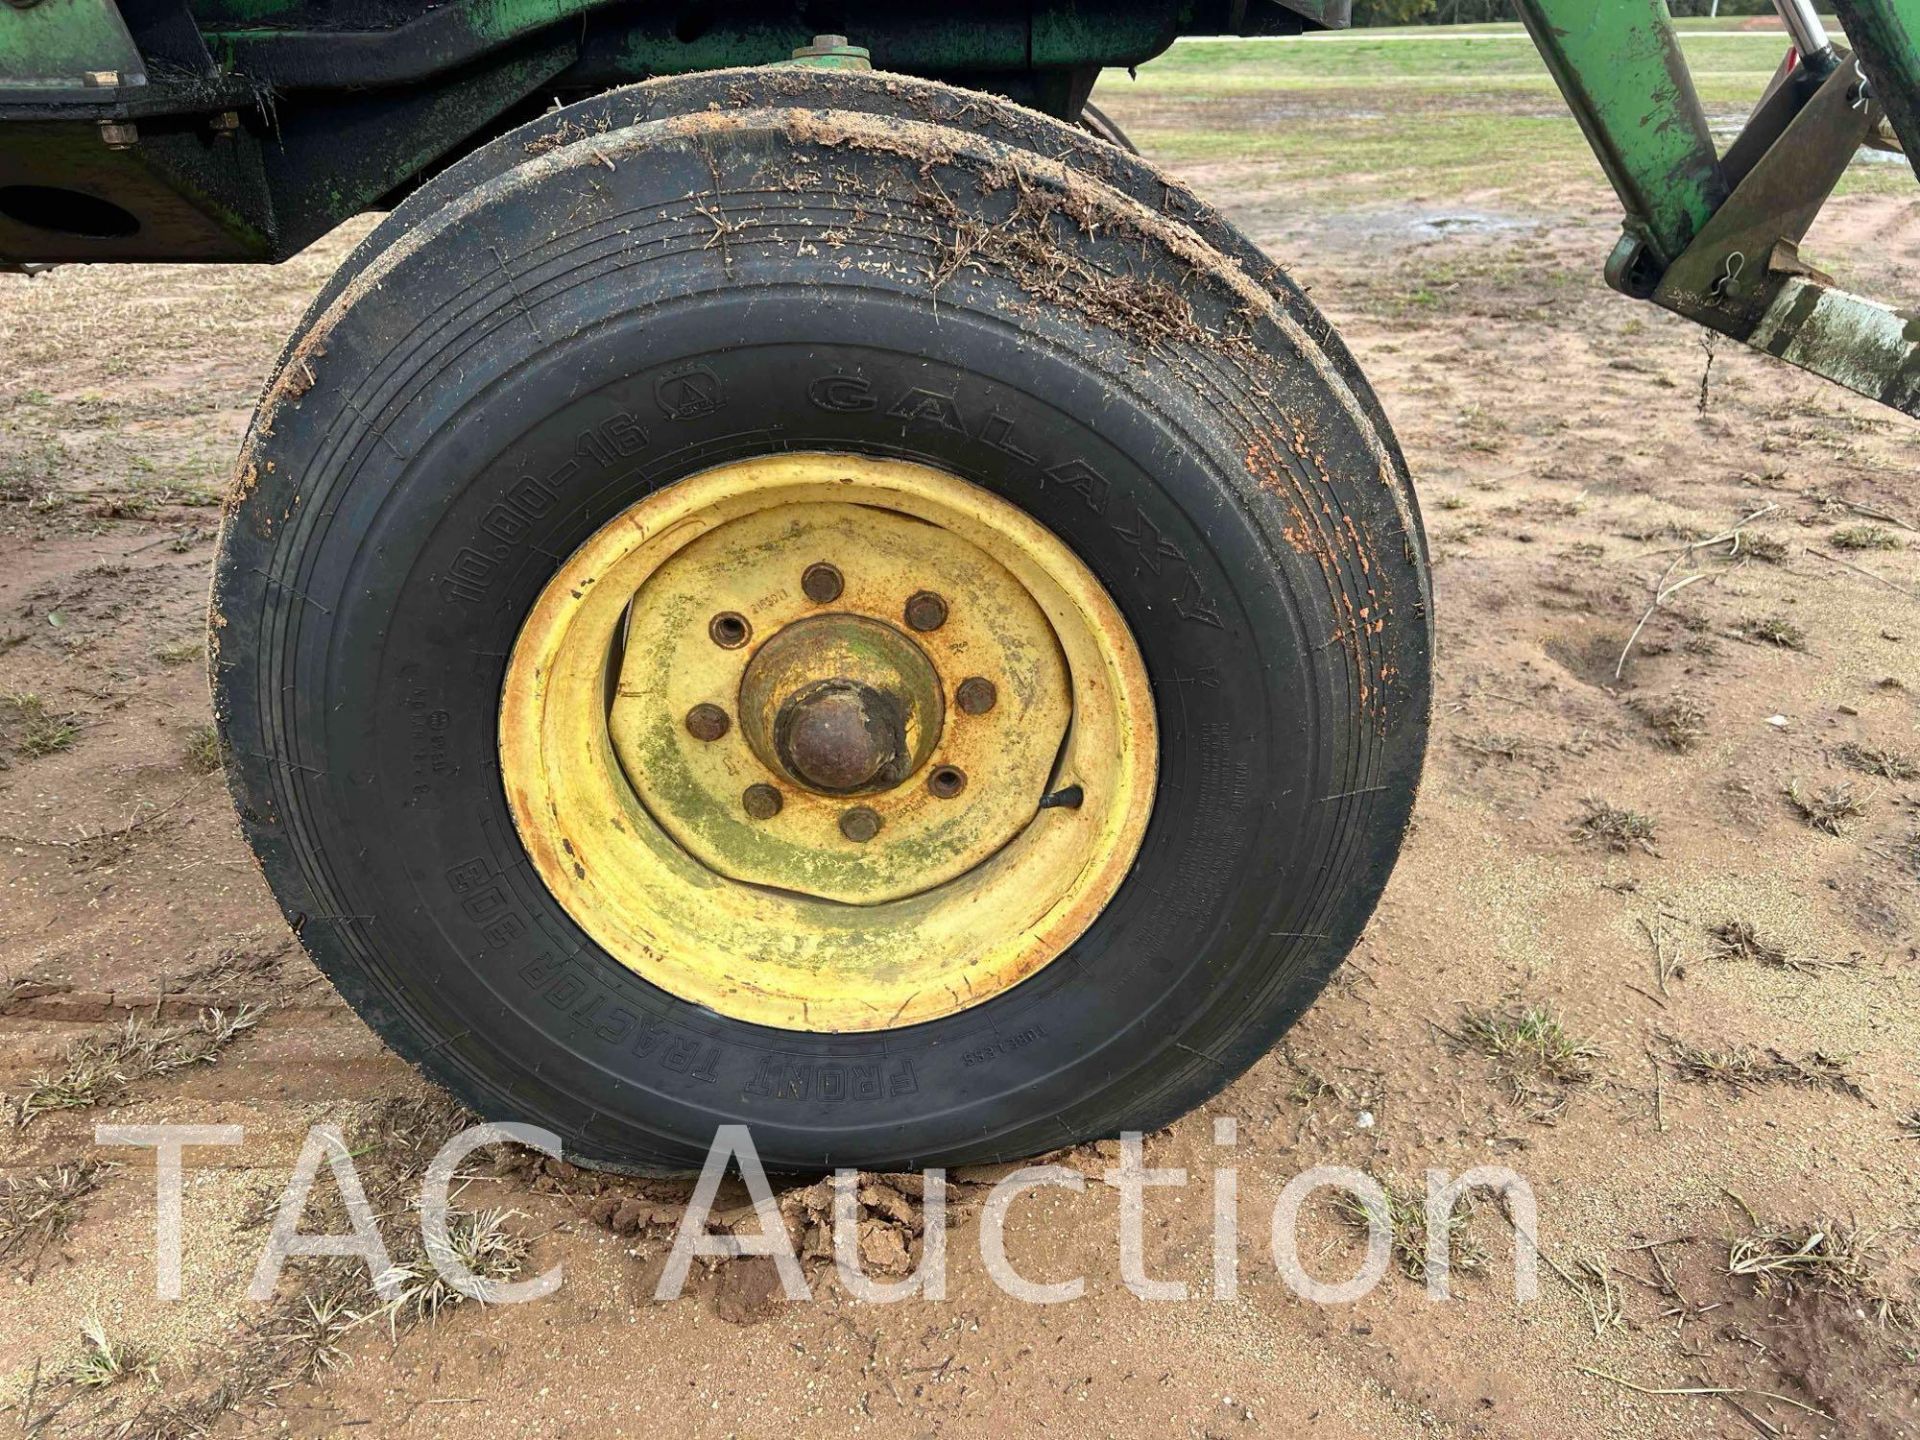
pixel 245 129
pixel 1618 62
pixel 1716 238
pixel 1886 35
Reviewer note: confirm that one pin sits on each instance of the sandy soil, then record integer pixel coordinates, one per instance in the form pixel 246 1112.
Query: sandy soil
pixel 1567 451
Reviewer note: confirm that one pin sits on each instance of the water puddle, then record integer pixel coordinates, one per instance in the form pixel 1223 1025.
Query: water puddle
pixel 1468 222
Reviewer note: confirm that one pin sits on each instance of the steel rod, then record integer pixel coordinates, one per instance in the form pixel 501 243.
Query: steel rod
pixel 1810 37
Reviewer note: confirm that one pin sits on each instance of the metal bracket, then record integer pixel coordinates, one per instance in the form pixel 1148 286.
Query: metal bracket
pixel 1855 342
pixel 1743 275
pixel 1728 277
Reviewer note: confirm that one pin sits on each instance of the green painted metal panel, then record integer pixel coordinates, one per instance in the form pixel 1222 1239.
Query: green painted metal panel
pixel 492 20
pixel 56 44
pixel 504 19
pixel 1885 35
pixel 1618 63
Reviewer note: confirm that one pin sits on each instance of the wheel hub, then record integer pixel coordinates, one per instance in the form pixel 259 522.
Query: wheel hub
pixel 828 743
pixel 841 737
pixel 841 704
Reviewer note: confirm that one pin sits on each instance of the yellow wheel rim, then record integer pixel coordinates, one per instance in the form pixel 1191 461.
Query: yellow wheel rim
pixel 828 743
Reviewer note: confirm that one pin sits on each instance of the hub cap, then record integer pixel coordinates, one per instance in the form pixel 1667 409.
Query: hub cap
pixel 877 745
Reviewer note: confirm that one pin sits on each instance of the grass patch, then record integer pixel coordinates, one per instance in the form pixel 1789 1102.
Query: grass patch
pixel 205 752
pixel 36 1211
pixel 1678 722
pixel 1743 1067
pixel 1828 809
pixel 1497 745
pixel 46 735
pixel 106 1361
pixel 1533 1055
pixel 145 499
pixel 1402 1210
pixel 303 1333
pixel 1619 830
pixel 312 1335
pixel 483 1242
pixel 1740 941
pixel 1774 630
pixel 36 730
pixel 1737 940
pixel 1865 537
pixel 1530 1045
pixel 1874 760
pixel 1827 1258
pixel 1336 111
pixel 181 652
pixel 98 1071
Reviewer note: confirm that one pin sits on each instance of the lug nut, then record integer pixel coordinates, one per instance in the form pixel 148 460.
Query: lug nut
pixel 707 722
pixel 946 781
pixel 762 802
pixel 822 583
pixel 729 630
pixel 860 824
pixel 926 611
pixel 976 695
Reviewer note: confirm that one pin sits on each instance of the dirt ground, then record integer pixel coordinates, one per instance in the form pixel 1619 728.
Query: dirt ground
pixel 1702 878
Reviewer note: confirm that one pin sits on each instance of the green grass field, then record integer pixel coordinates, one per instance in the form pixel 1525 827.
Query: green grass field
pixel 1412 114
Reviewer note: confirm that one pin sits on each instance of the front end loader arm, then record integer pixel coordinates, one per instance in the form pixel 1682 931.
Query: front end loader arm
pixel 1716 237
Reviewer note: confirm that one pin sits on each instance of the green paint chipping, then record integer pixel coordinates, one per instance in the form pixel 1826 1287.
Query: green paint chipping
pixel 1620 67
pixel 56 43
pixel 500 20
pixel 1886 34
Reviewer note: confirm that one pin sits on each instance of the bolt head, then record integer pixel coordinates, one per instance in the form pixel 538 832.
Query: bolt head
pixel 707 722
pixel 860 824
pixel 762 802
pixel 822 583
pixel 976 695
pixel 926 611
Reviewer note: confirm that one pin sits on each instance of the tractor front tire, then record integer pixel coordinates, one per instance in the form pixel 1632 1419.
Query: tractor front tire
pixel 549 725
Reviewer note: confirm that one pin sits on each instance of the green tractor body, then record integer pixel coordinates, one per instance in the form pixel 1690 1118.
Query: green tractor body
pixel 234 130
pixel 231 130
